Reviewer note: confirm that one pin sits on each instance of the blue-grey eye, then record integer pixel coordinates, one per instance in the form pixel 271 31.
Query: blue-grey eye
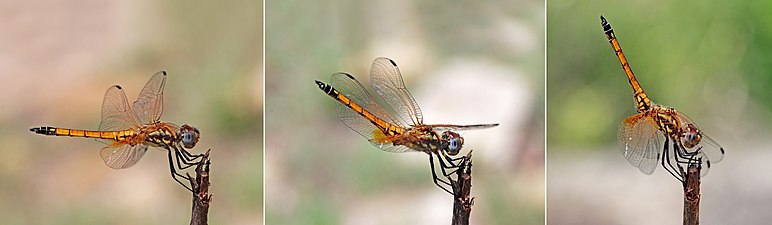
pixel 453 144
pixel 190 136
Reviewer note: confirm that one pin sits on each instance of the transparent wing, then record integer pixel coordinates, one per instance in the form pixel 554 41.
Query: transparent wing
pixel 710 152
pixel 387 143
pixel 387 82
pixel 708 148
pixel 443 127
pixel 640 141
pixel 352 89
pixel 116 114
pixel 121 156
pixel 149 104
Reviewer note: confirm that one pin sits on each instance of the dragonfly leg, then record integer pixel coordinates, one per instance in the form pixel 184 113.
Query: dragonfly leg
pixel 451 160
pixel 665 159
pixel 456 166
pixel 434 175
pixel 445 166
pixel 184 163
pixel 684 155
pixel 189 156
pixel 174 172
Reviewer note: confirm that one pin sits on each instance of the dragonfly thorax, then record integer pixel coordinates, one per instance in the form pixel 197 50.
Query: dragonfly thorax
pixel 666 119
pixel 165 135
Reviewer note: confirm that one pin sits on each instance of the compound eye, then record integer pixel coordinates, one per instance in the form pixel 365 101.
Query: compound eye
pixel 455 142
pixel 692 136
pixel 190 136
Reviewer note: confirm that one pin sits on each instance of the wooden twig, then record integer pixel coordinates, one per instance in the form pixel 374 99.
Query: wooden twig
pixel 462 187
pixel 692 194
pixel 201 196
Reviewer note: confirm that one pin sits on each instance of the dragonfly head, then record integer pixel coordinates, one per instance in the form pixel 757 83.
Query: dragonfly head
pixel 692 136
pixel 454 142
pixel 190 136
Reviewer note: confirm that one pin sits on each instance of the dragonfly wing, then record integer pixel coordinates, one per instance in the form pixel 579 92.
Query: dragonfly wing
pixel 352 89
pixel 386 143
pixel 366 128
pixel 443 127
pixel 709 149
pixel 116 114
pixel 640 142
pixel 149 104
pixel 121 156
pixel 387 82
pixel 388 146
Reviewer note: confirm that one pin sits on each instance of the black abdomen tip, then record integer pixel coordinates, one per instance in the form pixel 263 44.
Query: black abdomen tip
pixel 43 130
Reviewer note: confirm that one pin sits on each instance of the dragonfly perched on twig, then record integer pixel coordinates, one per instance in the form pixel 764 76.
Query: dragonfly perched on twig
pixel 129 130
pixel 402 132
pixel 641 136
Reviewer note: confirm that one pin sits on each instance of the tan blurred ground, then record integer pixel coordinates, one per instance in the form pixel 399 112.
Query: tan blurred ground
pixel 56 61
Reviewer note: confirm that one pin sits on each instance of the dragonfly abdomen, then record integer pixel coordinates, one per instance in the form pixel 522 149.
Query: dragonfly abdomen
pixel 642 101
pixel 382 125
pixel 110 135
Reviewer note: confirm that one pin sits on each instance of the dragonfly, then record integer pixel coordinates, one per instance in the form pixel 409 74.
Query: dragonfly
pixel 129 130
pixel 400 131
pixel 641 136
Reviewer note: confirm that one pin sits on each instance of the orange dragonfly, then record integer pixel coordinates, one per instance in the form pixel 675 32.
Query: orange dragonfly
pixel 638 137
pixel 129 130
pixel 404 132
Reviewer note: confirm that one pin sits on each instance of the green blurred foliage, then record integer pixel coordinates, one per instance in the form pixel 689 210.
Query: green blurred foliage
pixel 685 54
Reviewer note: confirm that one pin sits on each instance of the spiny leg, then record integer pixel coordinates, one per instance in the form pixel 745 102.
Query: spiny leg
pixel 677 165
pixel 463 159
pixel 683 153
pixel 445 166
pixel 180 163
pixel 174 172
pixel 434 176
pixel 670 168
pixel 451 160
pixel 188 156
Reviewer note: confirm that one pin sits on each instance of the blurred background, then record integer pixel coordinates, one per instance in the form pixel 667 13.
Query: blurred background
pixel 56 61
pixel 708 59
pixel 468 63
